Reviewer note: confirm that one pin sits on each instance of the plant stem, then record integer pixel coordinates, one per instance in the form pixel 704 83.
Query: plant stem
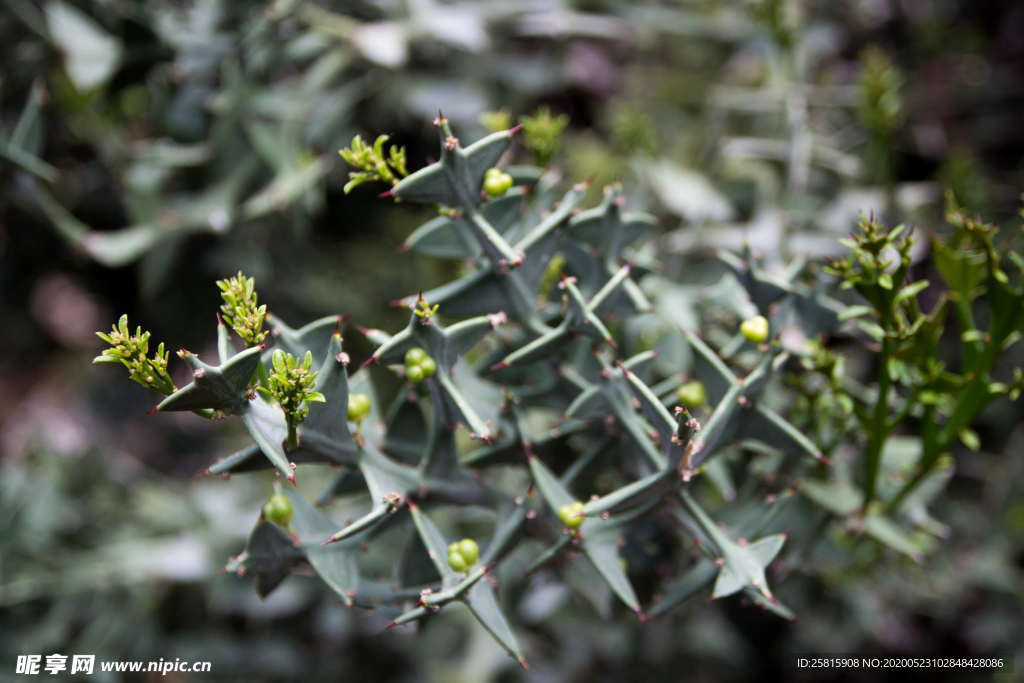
pixel 878 428
pixel 930 453
pixel 293 436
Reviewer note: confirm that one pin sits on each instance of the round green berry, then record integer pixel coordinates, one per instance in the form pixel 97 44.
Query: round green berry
pixel 428 366
pixel 755 329
pixel 496 182
pixel 278 509
pixel 415 356
pixel 457 562
pixel 571 514
pixel 469 550
pixel 691 394
pixel 358 407
pixel 414 373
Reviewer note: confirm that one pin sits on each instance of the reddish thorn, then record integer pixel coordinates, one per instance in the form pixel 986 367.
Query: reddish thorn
pixel 523 663
pixel 640 615
pixel 291 478
pixel 412 505
pixel 369 361
pixel 501 365
pixel 386 194
pixel 515 129
pixel 403 247
pixel 397 303
pixel 153 410
pixel 363 330
pixel 220 323
pixel 328 541
pixel 262 347
pixel 611 342
pixel 391 626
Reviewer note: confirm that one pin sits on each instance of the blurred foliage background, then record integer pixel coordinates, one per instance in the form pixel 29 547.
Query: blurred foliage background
pixel 149 148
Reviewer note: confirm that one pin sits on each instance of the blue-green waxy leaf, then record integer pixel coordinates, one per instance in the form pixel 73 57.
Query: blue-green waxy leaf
pixel 336 564
pixel 458 176
pixel 608 228
pixel 91 55
pixel 550 487
pixel 484 606
pixel 314 337
pixel 613 394
pixel 456 180
pixel 506 531
pixel 742 563
pixel 389 484
pixel 406 425
pixel 325 431
pixel 653 409
pixel 414 567
pixel 771 429
pixel 347 480
pixel 599 537
pixel 224 387
pixel 270 556
pixel 452 237
pixel 762 289
pixel 770 604
pixel 601 541
pixel 710 370
pixel 651 487
pixel 681 589
pixel 323 437
pixel 434 542
pixel 265 425
pixel 480 292
pixel 737 414
pixel 446 345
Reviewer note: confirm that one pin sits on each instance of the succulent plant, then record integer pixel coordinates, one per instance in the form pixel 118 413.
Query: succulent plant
pixel 551 380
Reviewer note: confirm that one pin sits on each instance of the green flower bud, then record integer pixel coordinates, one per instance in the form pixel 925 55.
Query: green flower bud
pixel 358 407
pixel 755 329
pixel 496 182
pixel 691 394
pixel 414 373
pixel 469 550
pixel 571 514
pixel 415 356
pixel 278 509
pixel 457 562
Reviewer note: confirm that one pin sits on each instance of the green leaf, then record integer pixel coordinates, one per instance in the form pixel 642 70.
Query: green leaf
pixel 271 555
pixel 336 563
pixel 90 54
pixel 482 603
pixel 681 589
pixel 452 238
pixel 433 541
pixel 963 271
pixel 224 388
